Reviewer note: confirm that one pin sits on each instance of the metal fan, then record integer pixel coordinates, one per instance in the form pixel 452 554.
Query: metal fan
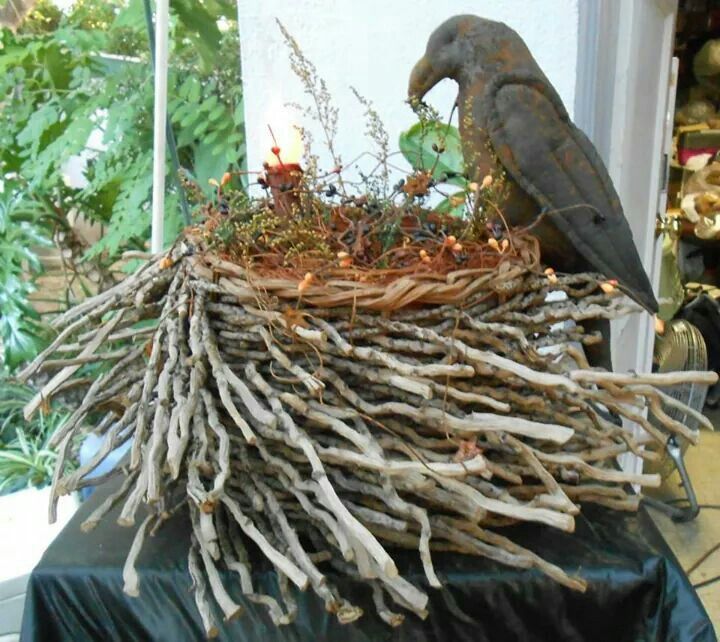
pixel 681 347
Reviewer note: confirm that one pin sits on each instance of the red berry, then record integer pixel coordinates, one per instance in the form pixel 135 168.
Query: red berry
pixel 275 150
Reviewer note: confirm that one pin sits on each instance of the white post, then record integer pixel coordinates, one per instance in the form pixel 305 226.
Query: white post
pixel 162 12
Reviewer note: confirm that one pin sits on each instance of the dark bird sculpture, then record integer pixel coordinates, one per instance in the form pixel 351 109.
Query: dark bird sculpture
pixel 513 121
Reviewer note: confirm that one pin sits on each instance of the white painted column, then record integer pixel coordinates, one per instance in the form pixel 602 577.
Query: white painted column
pixel 162 12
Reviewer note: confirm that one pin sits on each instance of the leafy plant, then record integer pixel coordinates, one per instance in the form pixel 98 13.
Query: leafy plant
pixel 25 458
pixel 23 225
pixel 435 147
pixel 83 79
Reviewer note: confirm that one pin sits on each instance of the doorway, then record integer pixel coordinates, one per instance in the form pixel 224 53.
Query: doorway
pixel 637 65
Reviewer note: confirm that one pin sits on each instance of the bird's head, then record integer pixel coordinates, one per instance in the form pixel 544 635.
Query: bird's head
pixel 463 47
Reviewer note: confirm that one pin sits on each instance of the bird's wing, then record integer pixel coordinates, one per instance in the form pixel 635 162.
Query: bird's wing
pixel 554 162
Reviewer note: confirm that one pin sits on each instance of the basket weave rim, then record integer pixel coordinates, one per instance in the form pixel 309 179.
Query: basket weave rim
pixel 335 289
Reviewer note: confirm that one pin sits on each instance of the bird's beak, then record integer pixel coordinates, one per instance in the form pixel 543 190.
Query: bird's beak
pixel 422 79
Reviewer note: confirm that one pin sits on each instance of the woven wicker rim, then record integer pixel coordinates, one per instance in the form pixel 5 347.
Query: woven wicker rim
pixel 337 290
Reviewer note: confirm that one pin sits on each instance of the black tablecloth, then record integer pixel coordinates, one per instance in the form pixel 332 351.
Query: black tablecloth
pixel 636 591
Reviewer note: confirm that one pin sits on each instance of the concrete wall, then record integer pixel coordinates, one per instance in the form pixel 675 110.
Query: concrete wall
pixel 372 45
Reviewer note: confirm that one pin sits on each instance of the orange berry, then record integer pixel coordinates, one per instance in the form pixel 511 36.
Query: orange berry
pixel 659 325
pixel 457 247
pixel 450 241
pixel 225 179
pixel 494 244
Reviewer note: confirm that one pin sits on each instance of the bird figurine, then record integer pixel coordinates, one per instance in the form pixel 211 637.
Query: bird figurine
pixel 513 124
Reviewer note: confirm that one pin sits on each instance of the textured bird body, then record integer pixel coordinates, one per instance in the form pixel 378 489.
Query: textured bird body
pixel 513 124
pixel 518 208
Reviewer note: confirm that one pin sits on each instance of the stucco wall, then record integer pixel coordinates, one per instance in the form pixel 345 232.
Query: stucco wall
pixel 372 45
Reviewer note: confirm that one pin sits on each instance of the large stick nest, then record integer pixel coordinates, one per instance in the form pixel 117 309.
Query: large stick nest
pixel 326 433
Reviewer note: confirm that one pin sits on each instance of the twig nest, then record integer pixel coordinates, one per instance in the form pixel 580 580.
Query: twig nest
pixel 328 434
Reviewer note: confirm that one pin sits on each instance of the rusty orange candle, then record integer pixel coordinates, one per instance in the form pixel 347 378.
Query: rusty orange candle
pixel 284 180
pixel 283 173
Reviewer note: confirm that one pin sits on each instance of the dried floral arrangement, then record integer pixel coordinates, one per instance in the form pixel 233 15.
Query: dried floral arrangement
pixel 331 374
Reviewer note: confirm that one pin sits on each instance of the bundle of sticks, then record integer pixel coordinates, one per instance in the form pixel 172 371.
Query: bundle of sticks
pixel 326 437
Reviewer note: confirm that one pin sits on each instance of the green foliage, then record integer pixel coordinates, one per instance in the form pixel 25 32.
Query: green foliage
pixel 435 146
pixel 23 225
pixel 67 75
pixel 25 458
pixel 430 145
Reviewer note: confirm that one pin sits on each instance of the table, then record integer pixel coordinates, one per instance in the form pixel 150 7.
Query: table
pixel 636 591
